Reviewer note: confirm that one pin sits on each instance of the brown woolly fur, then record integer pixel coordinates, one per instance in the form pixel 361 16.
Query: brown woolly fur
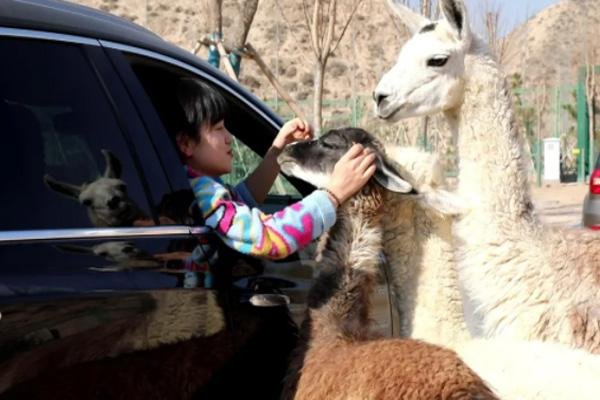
pixel 338 357
pixel 386 369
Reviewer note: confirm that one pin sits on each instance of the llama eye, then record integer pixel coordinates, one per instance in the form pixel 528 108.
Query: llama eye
pixel 87 202
pixel 438 61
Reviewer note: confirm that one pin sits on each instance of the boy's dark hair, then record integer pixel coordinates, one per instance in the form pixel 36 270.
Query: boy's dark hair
pixel 202 105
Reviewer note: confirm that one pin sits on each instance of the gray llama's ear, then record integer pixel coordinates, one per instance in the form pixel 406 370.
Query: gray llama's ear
pixel 113 165
pixel 389 178
pixel 63 188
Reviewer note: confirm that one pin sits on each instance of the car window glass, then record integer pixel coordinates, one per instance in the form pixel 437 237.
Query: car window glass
pixel 64 162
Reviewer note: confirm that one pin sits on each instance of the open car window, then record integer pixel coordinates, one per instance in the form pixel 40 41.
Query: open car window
pixel 252 134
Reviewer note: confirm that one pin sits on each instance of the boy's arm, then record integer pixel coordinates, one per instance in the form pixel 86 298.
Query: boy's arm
pixel 259 182
pixel 252 232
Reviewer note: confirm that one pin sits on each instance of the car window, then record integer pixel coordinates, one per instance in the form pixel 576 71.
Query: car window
pixel 159 81
pixel 245 160
pixel 64 162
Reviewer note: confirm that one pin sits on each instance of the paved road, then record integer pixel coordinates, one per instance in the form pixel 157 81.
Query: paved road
pixel 559 204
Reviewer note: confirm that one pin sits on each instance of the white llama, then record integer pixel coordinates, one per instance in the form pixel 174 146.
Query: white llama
pixel 529 282
pixel 416 243
pixel 516 370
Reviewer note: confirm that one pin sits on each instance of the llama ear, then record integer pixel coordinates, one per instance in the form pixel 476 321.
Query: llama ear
pixel 113 165
pixel 63 188
pixel 455 13
pixel 389 178
pixel 413 21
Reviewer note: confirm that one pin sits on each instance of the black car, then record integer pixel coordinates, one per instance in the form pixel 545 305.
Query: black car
pixel 92 191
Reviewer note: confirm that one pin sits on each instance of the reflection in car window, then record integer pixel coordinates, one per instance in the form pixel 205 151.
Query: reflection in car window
pixel 62 153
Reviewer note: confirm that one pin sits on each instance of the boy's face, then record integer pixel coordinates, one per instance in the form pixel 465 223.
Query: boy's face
pixel 210 153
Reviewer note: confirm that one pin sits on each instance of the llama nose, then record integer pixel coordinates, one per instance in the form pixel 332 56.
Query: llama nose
pixel 379 97
pixel 114 202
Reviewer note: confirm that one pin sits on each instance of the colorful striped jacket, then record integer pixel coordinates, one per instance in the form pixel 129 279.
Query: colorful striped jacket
pixel 248 230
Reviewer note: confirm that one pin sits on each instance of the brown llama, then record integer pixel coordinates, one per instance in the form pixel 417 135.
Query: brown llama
pixel 338 356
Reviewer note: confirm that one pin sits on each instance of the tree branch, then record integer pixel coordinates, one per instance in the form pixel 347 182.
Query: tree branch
pixel 314 33
pixel 356 5
pixel 328 39
pixel 292 32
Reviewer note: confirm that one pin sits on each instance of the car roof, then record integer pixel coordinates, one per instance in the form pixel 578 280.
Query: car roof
pixel 73 19
pixel 69 18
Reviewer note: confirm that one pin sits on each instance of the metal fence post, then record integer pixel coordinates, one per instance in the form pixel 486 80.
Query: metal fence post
pixel 582 127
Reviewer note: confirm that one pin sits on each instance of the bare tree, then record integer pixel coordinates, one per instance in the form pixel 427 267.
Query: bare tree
pixel 590 91
pixel 591 88
pixel 427 8
pixel 327 28
pixel 541 101
pixel 238 32
pixel 495 27
pixel 235 36
pixel 215 15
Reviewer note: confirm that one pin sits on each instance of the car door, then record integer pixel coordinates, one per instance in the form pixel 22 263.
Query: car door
pixel 263 336
pixel 152 79
pixel 87 309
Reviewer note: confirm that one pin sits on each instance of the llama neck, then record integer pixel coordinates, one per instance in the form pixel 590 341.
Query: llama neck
pixel 349 256
pixel 418 244
pixel 492 165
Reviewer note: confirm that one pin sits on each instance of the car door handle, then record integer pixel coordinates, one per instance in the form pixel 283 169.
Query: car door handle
pixel 65 235
pixel 269 300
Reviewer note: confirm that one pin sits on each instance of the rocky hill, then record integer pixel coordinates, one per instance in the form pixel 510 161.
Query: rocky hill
pixel 545 51
pixel 551 46
pixel 278 34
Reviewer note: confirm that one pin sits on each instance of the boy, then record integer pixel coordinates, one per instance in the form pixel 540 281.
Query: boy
pixel 204 144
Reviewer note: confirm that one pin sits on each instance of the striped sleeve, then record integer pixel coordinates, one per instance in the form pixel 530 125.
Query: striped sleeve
pixel 250 231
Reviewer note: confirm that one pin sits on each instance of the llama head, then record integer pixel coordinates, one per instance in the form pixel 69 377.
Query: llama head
pixel 313 161
pixel 428 76
pixel 105 198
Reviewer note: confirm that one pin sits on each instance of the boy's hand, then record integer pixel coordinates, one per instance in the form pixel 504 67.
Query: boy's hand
pixel 352 172
pixel 292 131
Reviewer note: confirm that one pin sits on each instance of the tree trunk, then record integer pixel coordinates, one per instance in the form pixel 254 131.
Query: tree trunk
pixel 238 32
pixel 426 12
pixel 591 92
pixel 426 8
pixel 214 15
pixel 318 97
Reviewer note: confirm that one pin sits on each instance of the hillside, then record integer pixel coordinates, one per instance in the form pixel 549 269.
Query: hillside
pixel 551 46
pixel 369 47
pixel 546 52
